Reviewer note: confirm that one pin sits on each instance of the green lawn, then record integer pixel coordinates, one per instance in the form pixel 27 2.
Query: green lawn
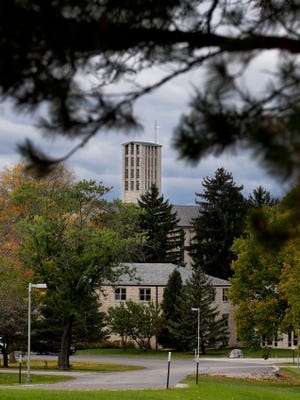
pixel 209 388
pixel 13 379
pixel 249 353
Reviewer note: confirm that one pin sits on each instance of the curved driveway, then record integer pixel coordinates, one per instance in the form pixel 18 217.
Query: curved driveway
pixel 154 376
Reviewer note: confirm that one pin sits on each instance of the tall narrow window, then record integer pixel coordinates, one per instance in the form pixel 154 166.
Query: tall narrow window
pixel 225 298
pixel 226 319
pixel 295 341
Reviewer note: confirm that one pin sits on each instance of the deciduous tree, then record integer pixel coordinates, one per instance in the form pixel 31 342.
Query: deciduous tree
pixel 13 307
pixel 119 321
pixel 137 321
pixel 72 254
pixel 255 291
pixel 264 285
pixel 64 243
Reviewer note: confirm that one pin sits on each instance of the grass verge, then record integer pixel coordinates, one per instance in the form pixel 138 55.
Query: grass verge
pixel 77 366
pixel 249 353
pixel 12 379
pixel 287 387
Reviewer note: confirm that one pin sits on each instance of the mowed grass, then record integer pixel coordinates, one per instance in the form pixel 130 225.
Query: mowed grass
pixel 12 379
pixel 84 366
pixel 77 366
pixel 249 353
pixel 208 388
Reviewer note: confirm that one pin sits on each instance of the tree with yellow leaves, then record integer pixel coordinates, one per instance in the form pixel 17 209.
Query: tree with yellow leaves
pixel 265 285
pixel 66 243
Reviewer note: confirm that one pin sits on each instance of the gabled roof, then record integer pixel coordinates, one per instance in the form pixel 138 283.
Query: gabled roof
pixel 157 274
pixel 185 214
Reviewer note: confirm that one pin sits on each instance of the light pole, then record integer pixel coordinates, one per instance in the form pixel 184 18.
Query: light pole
pixel 198 341
pixel 30 286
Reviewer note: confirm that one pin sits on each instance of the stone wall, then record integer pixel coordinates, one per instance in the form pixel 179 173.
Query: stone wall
pixel 133 293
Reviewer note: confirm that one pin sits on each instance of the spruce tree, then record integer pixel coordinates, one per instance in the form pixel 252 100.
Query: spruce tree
pixel 171 300
pixel 261 197
pixel 165 240
pixel 198 293
pixel 221 219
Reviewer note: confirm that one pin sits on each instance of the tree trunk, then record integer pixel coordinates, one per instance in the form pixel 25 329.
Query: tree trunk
pixel 5 358
pixel 12 357
pixel 64 355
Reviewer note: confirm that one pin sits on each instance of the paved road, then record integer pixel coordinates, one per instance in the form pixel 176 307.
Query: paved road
pixel 154 375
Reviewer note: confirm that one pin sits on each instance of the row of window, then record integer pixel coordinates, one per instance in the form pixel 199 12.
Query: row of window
pixel 137 147
pixel 145 294
pixel 137 161
pixel 137 173
pixel 137 185
pixel 292 340
pixel 224 295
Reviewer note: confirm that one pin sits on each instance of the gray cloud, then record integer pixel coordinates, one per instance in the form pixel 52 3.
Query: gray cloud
pixel 101 158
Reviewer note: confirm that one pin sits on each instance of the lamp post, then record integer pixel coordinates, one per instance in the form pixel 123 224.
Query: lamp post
pixel 30 286
pixel 198 341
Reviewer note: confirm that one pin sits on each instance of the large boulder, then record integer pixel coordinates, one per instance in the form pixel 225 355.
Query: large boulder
pixel 236 353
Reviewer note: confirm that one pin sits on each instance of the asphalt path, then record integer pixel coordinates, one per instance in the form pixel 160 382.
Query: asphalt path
pixel 155 373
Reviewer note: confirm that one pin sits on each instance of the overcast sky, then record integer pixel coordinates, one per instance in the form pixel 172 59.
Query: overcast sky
pixel 101 158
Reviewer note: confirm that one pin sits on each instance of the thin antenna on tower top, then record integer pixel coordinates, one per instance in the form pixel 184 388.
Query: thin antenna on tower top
pixel 155 126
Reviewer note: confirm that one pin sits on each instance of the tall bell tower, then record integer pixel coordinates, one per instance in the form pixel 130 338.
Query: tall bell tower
pixel 141 164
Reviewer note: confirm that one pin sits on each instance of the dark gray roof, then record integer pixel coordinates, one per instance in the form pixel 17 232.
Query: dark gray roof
pixel 185 214
pixel 157 274
pixel 142 143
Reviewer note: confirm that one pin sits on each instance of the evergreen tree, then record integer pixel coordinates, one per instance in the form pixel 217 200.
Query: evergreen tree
pixel 198 293
pixel 221 219
pixel 165 241
pixel 171 299
pixel 261 197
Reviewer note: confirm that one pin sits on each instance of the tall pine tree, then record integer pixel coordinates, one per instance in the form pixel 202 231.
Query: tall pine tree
pixel 221 219
pixel 170 308
pixel 198 293
pixel 165 240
